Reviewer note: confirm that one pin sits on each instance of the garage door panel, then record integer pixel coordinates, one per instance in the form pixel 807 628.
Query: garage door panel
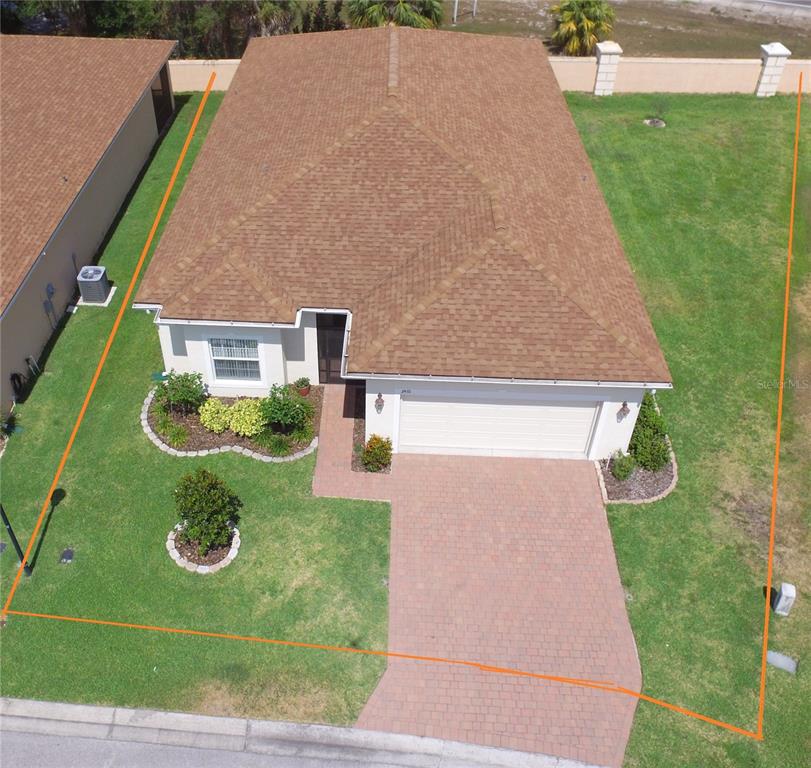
pixel 492 427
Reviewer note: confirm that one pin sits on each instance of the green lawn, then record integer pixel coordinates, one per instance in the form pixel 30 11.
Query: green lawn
pixel 309 569
pixel 702 209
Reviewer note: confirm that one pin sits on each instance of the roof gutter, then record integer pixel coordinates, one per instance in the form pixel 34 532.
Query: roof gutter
pixel 495 380
pixel 345 374
pixel 82 189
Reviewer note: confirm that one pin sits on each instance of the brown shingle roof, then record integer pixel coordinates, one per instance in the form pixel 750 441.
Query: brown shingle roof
pixel 62 101
pixel 434 183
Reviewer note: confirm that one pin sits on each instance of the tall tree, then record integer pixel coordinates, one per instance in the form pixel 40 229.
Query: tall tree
pixel 581 24
pixel 320 17
pixel 337 21
pixel 423 14
pixel 277 17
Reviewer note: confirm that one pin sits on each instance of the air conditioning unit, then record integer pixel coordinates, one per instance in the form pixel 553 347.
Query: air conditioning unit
pixel 93 284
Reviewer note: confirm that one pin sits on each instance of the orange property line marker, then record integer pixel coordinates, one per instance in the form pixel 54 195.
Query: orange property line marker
pixel 770 566
pixel 608 687
pixel 110 339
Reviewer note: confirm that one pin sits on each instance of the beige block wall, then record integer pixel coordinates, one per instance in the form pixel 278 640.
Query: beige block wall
pixel 25 327
pixel 574 73
pixel 791 74
pixel 648 75
pixel 193 74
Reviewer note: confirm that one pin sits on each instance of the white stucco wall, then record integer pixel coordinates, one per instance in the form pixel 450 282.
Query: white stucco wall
pixel 609 435
pixel 25 328
pixel 285 354
pixel 300 347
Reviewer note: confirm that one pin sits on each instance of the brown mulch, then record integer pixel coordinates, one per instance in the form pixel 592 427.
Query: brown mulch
pixel 355 406
pixel 642 484
pixel 201 439
pixel 358 440
pixel 188 550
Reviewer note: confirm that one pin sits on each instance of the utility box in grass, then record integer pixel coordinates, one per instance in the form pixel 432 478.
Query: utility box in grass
pixel 785 599
pixel 93 284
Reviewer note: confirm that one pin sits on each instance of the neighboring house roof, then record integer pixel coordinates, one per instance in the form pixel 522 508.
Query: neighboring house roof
pixel 62 101
pixel 433 183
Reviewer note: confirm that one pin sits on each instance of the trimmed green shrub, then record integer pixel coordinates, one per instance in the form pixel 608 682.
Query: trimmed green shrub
pixel 622 464
pixel 648 444
pixel 377 453
pixel 303 434
pixel 215 415
pixel 207 509
pixel 286 410
pixel 246 417
pixel 275 443
pixel 181 392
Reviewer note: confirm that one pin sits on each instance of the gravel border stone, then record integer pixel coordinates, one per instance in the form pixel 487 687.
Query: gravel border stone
pixel 194 567
pixel 156 440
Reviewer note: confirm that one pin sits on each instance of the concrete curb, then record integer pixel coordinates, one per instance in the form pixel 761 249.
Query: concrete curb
pixel 156 440
pixel 260 737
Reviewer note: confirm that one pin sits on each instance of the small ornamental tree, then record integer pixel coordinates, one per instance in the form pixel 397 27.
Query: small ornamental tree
pixel 648 443
pixel 181 392
pixel 286 410
pixel 207 510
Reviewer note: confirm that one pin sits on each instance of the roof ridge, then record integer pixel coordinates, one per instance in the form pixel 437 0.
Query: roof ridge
pixel 273 193
pixel 490 186
pixel 553 278
pixel 503 234
pixel 394 62
pixel 233 260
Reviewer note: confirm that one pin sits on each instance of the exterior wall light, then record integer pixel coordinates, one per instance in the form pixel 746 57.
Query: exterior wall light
pixel 379 402
pixel 623 412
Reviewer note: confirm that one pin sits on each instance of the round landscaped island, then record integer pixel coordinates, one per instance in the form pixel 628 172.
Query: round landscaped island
pixel 205 538
pixel 186 555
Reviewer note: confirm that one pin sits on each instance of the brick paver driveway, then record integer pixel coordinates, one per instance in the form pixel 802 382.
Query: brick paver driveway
pixel 508 562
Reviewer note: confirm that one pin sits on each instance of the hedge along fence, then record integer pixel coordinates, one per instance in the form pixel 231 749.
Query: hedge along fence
pixel 575 73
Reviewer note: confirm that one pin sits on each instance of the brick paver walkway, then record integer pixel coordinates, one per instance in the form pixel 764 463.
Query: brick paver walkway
pixel 506 562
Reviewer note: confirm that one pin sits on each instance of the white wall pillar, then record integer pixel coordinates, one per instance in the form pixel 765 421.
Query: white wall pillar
pixel 773 57
pixel 608 59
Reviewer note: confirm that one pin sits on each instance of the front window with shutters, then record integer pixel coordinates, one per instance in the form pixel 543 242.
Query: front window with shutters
pixel 235 359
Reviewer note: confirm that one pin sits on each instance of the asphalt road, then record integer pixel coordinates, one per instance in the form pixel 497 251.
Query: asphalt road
pixel 27 749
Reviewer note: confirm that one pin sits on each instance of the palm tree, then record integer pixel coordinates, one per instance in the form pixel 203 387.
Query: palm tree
pixel 581 24
pixel 423 14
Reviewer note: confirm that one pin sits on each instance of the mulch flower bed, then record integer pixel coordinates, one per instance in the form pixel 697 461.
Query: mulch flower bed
pixel 201 439
pixel 641 485
pixel 189 551
pixel 357 393
pixel 358 441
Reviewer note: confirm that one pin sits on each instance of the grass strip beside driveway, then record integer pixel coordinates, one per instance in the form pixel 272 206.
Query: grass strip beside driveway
pixel 702 208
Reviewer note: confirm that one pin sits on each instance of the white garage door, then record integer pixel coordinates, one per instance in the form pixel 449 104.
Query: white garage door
pixel 495 428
